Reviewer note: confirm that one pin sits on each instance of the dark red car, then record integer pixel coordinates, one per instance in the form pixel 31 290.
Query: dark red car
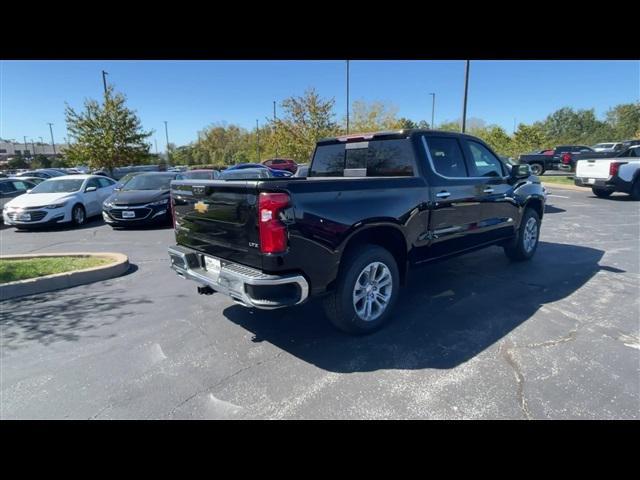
pixel 282 164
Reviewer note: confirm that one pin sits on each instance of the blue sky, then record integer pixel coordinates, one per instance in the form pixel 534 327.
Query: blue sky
pixel 193 94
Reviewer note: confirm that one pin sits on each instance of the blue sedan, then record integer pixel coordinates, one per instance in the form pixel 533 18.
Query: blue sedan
pixel 274 172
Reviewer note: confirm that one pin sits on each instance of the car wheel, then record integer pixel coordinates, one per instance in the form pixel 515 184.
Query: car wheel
pixel 525 244
pixel 366 291
pixel 537 169
pixel 601 192
pixel 78 215
pixel 635 190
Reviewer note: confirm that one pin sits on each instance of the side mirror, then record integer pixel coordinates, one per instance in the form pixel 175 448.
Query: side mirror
pixel 90 189
pixel 29 191
pixel 520 171
pixel 117 188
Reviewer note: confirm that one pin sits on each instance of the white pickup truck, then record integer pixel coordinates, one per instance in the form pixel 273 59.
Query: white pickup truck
pixel 608 175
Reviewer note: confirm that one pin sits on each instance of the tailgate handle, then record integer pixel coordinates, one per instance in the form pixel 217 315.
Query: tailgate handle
pixel 488 190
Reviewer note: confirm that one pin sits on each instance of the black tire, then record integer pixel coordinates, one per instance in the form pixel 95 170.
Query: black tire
pixel 635 189
pixel 537 169
pixel 601 192
pixel 339 304
pixel 77 218
pixel 519 249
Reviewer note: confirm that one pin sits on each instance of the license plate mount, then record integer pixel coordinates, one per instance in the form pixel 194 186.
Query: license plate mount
pixel 213 266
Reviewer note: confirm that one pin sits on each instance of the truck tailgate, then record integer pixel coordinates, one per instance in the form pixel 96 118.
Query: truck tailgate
pixel 594 168
pixel 219 218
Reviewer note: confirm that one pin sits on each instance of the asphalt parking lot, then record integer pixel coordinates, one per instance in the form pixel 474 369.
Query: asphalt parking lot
pixel 475 337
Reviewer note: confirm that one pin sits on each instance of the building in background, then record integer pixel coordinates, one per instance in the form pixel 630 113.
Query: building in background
pixel 10 149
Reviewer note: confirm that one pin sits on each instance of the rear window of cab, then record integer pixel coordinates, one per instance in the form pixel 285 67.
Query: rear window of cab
pixel 375 158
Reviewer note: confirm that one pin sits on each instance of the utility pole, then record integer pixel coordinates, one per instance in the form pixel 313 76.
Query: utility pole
pixel 156 143
pixel 257 140
pixel 514 125
pixel 25 145
pixel 433 110
pixel 274 125
pixel 166 133
pixel 33 145
pixel 104 81
pixel 347 97
pixel 464 103
pixel 53 144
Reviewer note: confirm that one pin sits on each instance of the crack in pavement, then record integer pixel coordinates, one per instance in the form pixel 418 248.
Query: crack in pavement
pixel 550 343
pixel 508 356
pixel 220 382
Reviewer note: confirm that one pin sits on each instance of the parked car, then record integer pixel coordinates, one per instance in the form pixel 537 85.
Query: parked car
pixel 608 147
pixel 282 164
pixel 34 180
pixel 371 205
pixel 202 174
pixel 630 143
pixel 70 198
pixel 247 174
pixel 563 157
pixel 274 172
pixel 143 200
pixel 11 188
pixel 605 176
pixel 42 173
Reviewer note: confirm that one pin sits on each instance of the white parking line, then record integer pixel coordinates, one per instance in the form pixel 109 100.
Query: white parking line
pixel 559 196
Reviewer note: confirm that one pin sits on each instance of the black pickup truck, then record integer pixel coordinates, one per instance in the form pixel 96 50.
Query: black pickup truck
pixel 563 157
pixel 371 206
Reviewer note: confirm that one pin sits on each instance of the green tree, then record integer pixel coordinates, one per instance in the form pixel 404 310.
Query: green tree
pixel 305 120
pixel 17 162
pixel 106 135
pixel 498 140
pixel 374 116
pixel 529 138
pixel 624 121
pixel 41 161
pixel 570 126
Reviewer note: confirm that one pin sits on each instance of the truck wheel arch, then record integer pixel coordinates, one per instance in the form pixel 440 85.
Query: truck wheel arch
pixel 535 203
pixel 388 236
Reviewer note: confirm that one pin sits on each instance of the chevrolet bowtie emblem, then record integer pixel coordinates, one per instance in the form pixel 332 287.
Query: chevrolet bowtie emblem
pixel 201 207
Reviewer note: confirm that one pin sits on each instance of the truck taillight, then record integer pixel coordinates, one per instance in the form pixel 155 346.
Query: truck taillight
pixel 614 167
pixel 566 158
pixel 273 233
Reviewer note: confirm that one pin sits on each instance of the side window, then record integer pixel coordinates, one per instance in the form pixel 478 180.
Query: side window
pixel 23 187
pixel 484 162
pixel 7 187
pixel 446 156
pixel 390 158
pixel 93 183
pixel 104 182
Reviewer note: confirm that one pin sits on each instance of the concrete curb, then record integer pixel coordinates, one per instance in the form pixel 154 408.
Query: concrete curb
pixel 559 186
pixel 21 288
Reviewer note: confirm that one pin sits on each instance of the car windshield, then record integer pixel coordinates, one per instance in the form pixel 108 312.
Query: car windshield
pixel 604 145
pixel 149 182
pixel 59 186
pixel 198 175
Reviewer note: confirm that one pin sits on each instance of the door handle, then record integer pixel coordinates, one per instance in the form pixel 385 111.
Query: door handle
pixel 488 190
pixel 443 194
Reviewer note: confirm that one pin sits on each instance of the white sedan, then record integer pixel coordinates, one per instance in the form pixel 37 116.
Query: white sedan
pixel 70 198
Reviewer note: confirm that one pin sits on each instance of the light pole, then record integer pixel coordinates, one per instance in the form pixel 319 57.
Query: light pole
pixel 25 145
pixel 347 97
pixel 53 144
pixel 433 110
pixel 274 125
pixel 104 81
pixel 257 140
pixel 166 133
pixel 464 102
pixel 33 145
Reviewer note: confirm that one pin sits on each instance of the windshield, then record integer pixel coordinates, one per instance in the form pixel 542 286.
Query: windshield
pixel 127 177
pixel 198 175
pixel 149 182
pixel 59 186
pixel 604 145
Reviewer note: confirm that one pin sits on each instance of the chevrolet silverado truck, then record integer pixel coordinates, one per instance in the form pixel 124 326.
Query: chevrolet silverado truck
pixel 605 176
pixel 563 157
pixel 371 206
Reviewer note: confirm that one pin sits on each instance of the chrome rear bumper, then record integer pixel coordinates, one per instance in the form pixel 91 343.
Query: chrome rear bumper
pixel 245 285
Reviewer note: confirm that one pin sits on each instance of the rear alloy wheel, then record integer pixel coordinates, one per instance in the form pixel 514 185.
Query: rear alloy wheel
pixel 78 215
pixel 525 244
pixel 366 290
pixel 601 192
pixel 537 169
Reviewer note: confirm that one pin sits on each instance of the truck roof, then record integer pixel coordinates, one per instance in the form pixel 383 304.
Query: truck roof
pixel 403 133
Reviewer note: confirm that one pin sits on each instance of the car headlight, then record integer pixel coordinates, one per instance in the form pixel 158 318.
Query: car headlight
pixel 107 204
pixel 55 205
pixel 158 203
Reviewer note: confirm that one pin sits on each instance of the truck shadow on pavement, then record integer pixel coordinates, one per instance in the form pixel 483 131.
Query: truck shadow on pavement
pixel 448 313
